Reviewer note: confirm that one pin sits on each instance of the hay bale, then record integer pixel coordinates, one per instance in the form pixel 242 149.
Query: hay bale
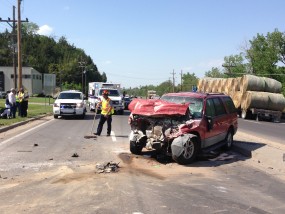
pixel 199 84
pixel 207 82
pixel 228 87
pixel 223 85
pixel 276 101
pixel 236 84
pixel 272 85
pixel 237 97
pixel 263 100
pixel 252 83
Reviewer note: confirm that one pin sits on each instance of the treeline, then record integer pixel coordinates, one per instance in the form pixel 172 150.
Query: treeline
pixel 263 55
pixel 48 55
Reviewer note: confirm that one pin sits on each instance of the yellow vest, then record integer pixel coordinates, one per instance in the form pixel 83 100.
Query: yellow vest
pixel 21 96
pixel 106 106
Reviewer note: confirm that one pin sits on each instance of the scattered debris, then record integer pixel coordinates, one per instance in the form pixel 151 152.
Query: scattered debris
pixel 36 144
pixel 107 167
pixel 75 155
pixel 51 159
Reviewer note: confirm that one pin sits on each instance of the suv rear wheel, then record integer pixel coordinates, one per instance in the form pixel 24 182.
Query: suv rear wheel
pixel 229 140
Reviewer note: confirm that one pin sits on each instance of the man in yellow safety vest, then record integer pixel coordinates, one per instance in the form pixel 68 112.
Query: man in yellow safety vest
pixel 106 114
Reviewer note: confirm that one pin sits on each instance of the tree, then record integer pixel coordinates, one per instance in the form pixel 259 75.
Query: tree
pixel 215 73
pixel 188 80
pixel 234 65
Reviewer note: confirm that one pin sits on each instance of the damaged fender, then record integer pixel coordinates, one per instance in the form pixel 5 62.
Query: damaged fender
pixel 184 148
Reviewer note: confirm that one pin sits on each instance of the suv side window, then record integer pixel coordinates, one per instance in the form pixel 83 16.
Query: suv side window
pixel 229 104
pixel 210 109
pixel 219 107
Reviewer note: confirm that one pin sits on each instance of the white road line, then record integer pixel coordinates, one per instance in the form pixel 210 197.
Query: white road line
pixel 114 139
pixel 12 138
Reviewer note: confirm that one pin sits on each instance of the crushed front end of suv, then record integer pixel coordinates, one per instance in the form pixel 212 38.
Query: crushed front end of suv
pixel 182 125
pixel 69 103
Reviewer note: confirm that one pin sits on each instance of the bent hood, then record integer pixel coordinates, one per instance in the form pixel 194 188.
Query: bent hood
pixel 157 108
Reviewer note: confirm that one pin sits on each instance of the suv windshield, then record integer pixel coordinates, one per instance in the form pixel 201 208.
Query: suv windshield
pixel 76 96
pixel 195 107
pixel 113 93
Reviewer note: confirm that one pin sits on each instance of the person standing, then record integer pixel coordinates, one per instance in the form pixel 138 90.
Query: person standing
pixel 25 104
pixel 12 102
pixel 106 114
pixel 21 95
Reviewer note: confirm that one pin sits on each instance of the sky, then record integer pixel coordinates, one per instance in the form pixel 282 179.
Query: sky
pixel 147 42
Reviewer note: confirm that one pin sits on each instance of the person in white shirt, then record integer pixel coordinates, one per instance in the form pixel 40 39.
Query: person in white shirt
pixel 12 102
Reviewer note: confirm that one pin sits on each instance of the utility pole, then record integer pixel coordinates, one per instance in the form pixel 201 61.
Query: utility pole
pixel 173 90
pixel 82 65
pixel 19 46
pixel 14 43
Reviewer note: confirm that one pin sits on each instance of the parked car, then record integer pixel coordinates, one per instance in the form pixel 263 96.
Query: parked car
pixel 183 124
pixel 126 101
pixel 3 94
pixel 70 103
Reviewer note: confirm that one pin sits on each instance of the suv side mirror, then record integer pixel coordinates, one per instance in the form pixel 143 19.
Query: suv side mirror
pixel 209 122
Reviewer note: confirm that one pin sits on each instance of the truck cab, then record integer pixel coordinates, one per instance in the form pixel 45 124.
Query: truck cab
pixel 115 97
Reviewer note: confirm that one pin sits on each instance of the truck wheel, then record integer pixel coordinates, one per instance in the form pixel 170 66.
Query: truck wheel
pixel 190 151
pixel 134 148
pixel 55 116
pixel 243 114
pixel 229 140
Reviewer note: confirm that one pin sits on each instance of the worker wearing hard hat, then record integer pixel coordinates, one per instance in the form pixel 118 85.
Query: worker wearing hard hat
pixel 106 113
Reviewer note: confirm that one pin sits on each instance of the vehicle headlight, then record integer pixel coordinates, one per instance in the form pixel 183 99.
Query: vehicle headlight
pixel 79 105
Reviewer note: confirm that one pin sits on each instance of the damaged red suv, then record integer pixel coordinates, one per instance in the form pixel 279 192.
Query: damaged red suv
pixel 183 124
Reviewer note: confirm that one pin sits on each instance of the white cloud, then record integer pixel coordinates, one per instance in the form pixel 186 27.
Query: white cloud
pixel 45 30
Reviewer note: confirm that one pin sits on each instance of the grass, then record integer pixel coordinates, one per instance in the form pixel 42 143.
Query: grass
pixel 36 107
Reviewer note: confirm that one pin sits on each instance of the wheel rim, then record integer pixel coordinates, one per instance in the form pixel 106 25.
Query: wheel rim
pixel 188 149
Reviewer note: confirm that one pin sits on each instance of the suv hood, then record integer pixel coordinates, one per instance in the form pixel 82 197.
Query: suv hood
pixel 157 108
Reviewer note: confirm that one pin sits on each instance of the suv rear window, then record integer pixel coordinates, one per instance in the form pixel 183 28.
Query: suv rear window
pixel 229 104
pixel 195 106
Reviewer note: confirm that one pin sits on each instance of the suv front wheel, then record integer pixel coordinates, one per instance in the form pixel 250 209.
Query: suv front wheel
pixel 189 153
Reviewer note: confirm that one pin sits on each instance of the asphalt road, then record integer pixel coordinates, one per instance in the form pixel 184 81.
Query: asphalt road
pixel 268 130
pixel 39 175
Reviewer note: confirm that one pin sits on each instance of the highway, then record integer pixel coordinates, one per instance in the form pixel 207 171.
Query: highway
pixel 40 173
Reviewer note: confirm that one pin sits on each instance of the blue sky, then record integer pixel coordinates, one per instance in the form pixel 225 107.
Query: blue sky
pixel 141 42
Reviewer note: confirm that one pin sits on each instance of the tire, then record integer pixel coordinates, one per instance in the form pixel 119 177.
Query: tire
pixel 82 116
pixel 189 153
pixel 229 140
pixel 55 116
pixel 135 149
pixel 121 112
pixel 243 114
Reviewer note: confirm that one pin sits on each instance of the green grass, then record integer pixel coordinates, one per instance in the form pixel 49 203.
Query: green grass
pixel 36 107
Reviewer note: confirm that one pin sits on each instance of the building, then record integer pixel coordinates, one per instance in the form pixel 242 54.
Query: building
pixel 32 80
